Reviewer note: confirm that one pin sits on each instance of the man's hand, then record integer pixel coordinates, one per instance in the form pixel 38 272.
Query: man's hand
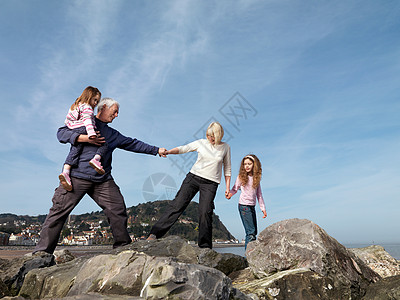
pixel 95 140
pixel 98 140
pixel 265 214
pixel 162 152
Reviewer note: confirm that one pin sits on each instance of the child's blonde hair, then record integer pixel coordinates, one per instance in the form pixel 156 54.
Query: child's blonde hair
pixel 215 129
pixel 87 94
pixel 257 171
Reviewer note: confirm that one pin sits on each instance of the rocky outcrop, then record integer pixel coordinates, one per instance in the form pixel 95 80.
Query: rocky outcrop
pixel 292 284
pixel 178 248
pixel 63 256
pixel 386 289
pixel 13 272
pixel 378 260
pixel 292 259
pixel 297 244
pixel 129 273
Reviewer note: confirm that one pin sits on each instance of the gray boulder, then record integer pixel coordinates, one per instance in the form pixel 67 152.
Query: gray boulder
pixel 186 281
pixel 178 248
pixel 129 273
pixel 13 272
pixel 386 289
pixel 224 262
pixel 378 260
pixel 52 282
pixel 171 246
pixel 62 256
pixel 293 284
pixel 301 244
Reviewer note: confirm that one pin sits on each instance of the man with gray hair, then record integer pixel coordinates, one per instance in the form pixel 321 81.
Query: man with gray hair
pixel 85 180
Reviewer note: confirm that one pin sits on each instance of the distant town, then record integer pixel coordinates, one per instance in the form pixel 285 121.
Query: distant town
pixel 82 234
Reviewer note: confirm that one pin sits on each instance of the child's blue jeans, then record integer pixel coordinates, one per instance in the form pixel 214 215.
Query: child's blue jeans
pixel 249 220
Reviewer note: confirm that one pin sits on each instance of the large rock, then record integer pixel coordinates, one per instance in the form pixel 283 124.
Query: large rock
pixel 62 256
pixel 171 246
pixel 298 244
pixel 294 284
pixel 224 262
pixel 53 282
pixel 386 289
pixel 378 260
pixel 129 273
pixel 178 248
pixel 13 272
pixel 187 281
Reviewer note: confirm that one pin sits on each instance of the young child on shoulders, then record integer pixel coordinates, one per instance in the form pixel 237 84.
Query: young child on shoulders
pixel 81 119
pixel 248 181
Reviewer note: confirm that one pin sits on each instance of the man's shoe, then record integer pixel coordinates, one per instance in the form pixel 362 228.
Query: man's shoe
pixel 151 237
pixel 65 181
pixel 96 164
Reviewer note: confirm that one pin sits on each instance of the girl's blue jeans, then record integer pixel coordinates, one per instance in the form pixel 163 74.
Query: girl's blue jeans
pixel 249 220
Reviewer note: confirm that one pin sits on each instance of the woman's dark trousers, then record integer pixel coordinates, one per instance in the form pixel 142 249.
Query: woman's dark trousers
pixel 189 188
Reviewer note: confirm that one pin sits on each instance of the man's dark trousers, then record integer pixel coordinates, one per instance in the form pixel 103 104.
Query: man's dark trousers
pixel 106 194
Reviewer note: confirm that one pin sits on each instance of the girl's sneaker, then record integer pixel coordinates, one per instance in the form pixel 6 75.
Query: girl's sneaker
pixel 65 181
pixel 96 164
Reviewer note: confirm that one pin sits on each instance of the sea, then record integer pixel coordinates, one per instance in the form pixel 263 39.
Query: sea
pixel 392 249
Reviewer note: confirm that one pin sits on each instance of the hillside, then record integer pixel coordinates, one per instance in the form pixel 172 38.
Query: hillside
pixel 140 219
pixel 186 227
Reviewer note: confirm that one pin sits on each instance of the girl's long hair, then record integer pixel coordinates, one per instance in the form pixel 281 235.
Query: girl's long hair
pixel 87 94
pixel 257 171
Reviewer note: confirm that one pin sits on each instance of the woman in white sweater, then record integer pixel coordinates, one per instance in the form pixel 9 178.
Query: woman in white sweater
pixel 204 177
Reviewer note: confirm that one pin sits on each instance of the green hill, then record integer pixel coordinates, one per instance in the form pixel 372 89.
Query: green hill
pixel 144 215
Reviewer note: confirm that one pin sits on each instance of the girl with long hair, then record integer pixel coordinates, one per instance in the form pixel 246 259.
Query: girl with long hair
pixel 80 118
pixel 248 181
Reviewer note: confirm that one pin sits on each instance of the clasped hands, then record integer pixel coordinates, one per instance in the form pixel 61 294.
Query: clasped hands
pixel 162 152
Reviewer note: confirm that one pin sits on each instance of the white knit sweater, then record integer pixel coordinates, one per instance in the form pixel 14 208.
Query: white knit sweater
pixel 210 159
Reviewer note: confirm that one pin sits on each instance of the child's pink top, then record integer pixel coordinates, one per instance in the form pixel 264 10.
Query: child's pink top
pixel 249 194
pixel 82 115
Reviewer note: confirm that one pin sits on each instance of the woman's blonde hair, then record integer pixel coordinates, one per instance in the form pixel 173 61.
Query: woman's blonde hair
pixel 215 130
pixel 87 94
pixel 257 171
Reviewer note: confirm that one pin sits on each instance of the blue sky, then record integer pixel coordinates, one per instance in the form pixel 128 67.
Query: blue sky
pixel 318 81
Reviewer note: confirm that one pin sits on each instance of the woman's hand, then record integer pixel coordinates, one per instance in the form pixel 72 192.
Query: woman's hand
pixel 228 195
pixel 172 151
